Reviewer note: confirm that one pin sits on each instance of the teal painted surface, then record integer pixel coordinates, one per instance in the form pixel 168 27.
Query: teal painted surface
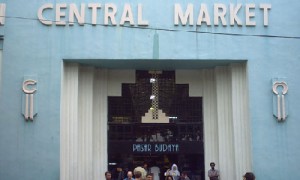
pixel 30 151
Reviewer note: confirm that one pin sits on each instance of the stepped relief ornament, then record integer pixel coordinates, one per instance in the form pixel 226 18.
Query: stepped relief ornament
pixel 29 89
pixel 154 114
pixel 280 89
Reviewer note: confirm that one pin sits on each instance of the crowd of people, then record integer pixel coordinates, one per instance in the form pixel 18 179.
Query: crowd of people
pixel 144 173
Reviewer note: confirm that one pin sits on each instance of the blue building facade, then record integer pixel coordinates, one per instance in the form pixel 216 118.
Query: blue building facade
pixel 251 49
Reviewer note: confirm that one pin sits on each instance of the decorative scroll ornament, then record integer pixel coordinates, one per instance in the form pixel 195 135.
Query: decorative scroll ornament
pixel 2 13
pixel 29 101
pixel 280 89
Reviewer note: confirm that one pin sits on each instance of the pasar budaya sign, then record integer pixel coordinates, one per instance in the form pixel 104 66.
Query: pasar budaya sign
pixel 188 147
pixel 61 14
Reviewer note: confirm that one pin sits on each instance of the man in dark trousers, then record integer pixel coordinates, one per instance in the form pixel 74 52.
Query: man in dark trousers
pixel 213 173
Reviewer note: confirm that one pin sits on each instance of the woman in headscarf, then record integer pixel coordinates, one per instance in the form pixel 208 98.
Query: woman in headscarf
pixel 173 172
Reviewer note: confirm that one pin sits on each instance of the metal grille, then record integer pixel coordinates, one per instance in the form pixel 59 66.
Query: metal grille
pixel 173 99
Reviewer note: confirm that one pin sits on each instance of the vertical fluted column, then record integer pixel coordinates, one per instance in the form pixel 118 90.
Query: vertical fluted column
pixel 211 138
pixel 225 127
pixel 69 123
pixel 100 124
pixel 1 57
pixel 85 126
pixel 241 125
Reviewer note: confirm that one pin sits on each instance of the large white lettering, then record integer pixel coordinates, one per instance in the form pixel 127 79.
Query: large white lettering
pixel 75 13
pixel 203 16
pixel 69 13
pixel 141 22
pixel 183 18
pixel 94 7
pixel 233 14
pixel 127 15
pixel 221 15
pixel 250 14
pixel 40 14
pixel 110 13
pixel 265 8
pixel 60 13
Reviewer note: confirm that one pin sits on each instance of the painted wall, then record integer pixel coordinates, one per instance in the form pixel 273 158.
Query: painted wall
pixel 30 150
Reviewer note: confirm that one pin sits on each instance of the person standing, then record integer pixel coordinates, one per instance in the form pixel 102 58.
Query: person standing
pixel 138 175
pixel 173 172
pixel 149 176
pixel 129 176
pixel 184 176
pixel 108 175
pixel 213 173
pixel 168 177
pixel 249 176
pixel 147 169
pixel 141 170
pixel 120 173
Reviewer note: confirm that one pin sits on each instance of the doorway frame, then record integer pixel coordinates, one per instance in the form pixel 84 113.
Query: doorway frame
pixel 227 128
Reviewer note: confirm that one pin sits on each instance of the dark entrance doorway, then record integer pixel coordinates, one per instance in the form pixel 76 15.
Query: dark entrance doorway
pixel 180 141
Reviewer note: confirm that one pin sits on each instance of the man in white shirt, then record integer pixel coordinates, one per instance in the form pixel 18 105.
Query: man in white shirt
pixel 213 173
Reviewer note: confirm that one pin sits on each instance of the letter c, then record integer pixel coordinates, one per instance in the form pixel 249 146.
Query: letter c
pixel 26 84
pixel 40 14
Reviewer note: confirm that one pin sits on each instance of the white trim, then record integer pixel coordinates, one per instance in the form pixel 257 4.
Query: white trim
pixel 227 138
pixel 241 124
pixel 100 123
pixel 83 124
pixel 225 127
pixel 1 59
pixel 69 123
pixel 210 120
